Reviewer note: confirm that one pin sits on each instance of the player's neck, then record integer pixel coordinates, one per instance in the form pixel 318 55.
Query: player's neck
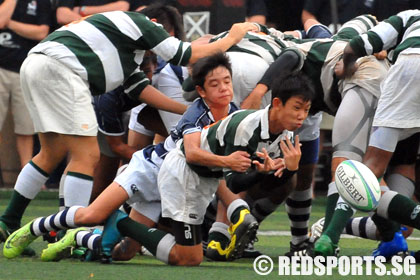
pixel 219 113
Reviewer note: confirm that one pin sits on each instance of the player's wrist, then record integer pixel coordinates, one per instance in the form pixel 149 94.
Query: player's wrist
pixel 82 11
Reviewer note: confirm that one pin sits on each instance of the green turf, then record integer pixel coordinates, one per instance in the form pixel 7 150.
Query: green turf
pixel 143 267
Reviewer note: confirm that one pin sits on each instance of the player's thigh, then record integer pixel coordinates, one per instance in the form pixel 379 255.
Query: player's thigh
pixel 352 124
pixel 185 195
pixel 5 90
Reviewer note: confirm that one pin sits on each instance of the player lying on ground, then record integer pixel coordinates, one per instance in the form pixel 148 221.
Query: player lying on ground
pixel 73 56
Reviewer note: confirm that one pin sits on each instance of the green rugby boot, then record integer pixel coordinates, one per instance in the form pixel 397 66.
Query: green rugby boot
pixel 17 242
pixel 62 248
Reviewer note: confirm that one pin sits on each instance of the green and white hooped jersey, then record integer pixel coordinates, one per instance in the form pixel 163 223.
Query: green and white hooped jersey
pixel 244 130
pixel 400 33
pixel 106 49
pixel 321 56
pixel 266 44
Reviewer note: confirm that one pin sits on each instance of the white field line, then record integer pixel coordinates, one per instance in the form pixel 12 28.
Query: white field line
pixel 287 233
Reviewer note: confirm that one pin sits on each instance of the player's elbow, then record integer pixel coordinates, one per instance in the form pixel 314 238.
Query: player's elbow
pixel 190 157
pixel 42 32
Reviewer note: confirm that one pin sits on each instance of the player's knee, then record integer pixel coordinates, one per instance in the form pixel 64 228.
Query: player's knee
pixel 185 258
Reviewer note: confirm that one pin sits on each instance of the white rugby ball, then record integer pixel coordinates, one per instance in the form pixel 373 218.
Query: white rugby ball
pixel 357 185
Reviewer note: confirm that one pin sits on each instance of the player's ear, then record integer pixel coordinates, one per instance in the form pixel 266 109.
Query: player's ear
pixel 200 91
pixel 276 102
pixel 153 19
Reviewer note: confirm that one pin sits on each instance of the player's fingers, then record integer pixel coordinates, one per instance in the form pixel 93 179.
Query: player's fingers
pixel 297 143
pixel 279 172
pixel 243 153
pixel 260 154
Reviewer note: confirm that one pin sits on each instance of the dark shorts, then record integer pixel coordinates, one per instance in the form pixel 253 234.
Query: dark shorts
pixel 186 234
pixel 109 109
pixel 406 151
pixel 310 150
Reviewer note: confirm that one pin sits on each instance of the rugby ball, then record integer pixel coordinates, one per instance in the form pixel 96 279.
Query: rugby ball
pixel 357 185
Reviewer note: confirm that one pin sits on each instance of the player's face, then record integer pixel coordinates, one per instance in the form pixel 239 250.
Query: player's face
pixel 289 116
pixel 218 90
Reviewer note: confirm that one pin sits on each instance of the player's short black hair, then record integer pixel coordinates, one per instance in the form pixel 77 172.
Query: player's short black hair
pixel 168 16
pixel 207 64
pixel 298 84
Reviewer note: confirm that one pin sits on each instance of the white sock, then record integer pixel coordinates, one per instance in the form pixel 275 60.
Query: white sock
pixel 235 204
pixel 164 247
pixel 61 193
pixel 30 180
pixel 77 189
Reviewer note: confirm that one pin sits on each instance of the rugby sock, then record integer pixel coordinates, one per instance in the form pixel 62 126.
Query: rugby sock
pixel 362 227
pixel 61 203
pixel 88 240
pixel 332 198
pixel 148 237
pixel 234 210
pixel 399 208
pixel 298 208
pixel 386 228
pixel 342 214
pixel 219 232
pixel 401 184
pixel 263 207
pixel 28 184
pixel 61 220
pixel 77 189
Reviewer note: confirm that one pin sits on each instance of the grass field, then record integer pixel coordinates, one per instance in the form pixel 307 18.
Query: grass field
pixel 143 267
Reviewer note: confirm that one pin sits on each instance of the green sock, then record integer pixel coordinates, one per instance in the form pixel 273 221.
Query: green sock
pixel 14 211
pixel 329 210
pixel 386 228
pixel 148 238
pixel 404 211
pixel 339 220
pixel 220 237
pixel 236 214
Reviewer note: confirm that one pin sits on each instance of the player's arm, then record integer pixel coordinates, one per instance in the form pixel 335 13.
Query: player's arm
pixel 114 6
pixel 119 147
pixel 284 168
pixel 236 33
pixel 6 11
pixel 158 100
pixel 238 161
pixel 138 87
pixel 29 31
pixel 288 62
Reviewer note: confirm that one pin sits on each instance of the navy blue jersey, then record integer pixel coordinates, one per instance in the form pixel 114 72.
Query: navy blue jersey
pixel 109 109
pixel 13 47
pixel 196 117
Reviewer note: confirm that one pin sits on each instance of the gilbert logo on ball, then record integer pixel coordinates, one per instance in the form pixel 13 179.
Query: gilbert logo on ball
pixel 357 185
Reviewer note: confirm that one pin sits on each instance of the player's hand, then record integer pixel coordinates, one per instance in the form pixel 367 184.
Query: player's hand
pixel 349 65
pixel 280 166
pixel 381 55
pixel 269 164
pixel 238 30
pixel 291 154
pixel 341 72
pixel 239 161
